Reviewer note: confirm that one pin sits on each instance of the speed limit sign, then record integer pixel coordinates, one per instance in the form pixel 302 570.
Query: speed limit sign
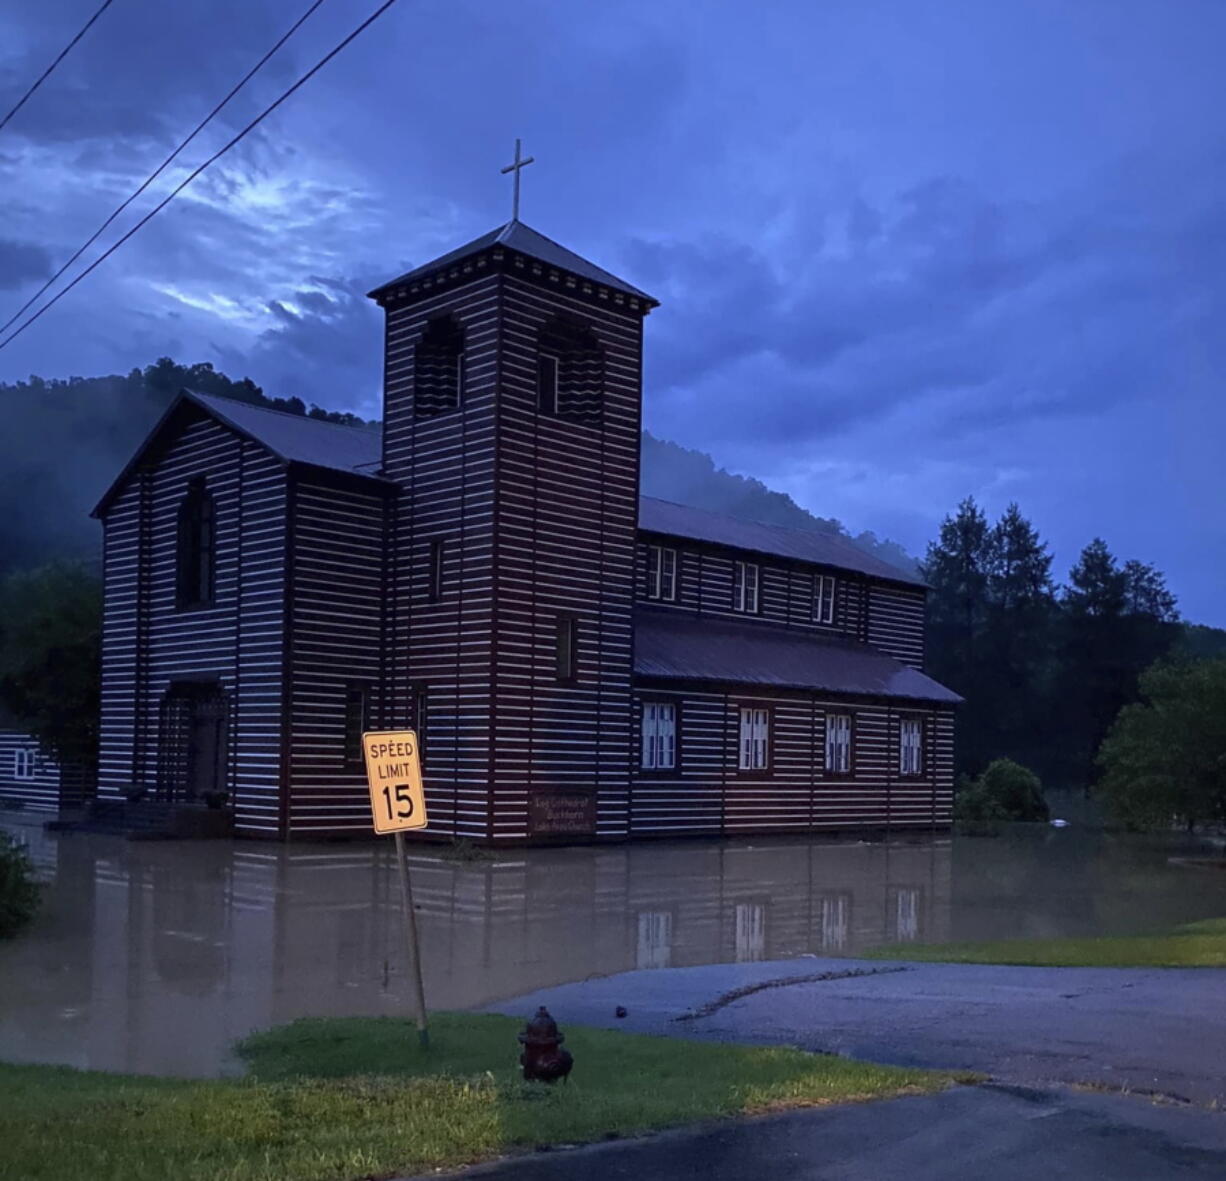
pixel 393 770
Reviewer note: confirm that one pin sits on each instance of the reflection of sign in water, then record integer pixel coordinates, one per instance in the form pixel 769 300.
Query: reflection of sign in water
pixel 562 813
pixel 393 770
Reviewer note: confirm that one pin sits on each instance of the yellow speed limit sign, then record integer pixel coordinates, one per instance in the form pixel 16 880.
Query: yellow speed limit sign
pixel 393 769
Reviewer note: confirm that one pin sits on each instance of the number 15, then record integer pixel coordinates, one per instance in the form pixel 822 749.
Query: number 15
pixel 404 802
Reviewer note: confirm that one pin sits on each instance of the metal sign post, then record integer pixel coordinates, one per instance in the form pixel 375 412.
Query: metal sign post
pixel 398 804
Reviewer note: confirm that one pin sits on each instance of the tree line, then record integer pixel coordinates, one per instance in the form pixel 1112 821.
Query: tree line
pixel 1045 669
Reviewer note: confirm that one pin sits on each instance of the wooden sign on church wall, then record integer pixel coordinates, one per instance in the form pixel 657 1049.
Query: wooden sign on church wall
pixel 557 813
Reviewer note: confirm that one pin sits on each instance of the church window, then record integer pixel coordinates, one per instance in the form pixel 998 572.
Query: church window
pixel 823 599
pixel 438 372
pixel 755 739
pixel 23 764
pixel 910 746
pixel 421 721
pixel 566 649
pixel 745 587
pixel 547 384
pixel 838 743
pixel 659 736
pixel 357 722
pixel 196 544
pixel 570 373
pixel 438 556
pixel 661 573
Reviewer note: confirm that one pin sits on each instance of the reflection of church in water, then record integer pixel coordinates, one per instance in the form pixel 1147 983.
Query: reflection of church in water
pixel 214 940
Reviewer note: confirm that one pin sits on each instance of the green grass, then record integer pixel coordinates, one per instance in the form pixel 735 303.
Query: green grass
pixel 337 1100
pixel 1194 945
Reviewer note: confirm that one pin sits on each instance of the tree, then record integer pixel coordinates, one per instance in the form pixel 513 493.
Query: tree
pixel 50 657
pixel 1145 593
pixel 1165 757
pixel 957 568
pixel 1097 588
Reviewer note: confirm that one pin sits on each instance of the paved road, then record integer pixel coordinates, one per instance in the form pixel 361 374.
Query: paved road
pixel 968 1134
pixel 1148 1030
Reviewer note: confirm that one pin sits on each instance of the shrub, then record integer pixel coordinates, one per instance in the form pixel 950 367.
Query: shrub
pixel 18 890
pixel 976 812
pixel 1016 789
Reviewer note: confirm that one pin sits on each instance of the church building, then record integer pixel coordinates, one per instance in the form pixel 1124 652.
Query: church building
pixel 580 662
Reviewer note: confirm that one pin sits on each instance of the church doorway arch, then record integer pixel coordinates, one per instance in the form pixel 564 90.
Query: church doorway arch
pixel 195 724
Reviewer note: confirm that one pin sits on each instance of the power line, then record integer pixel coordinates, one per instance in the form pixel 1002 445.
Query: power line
pixel 21 102
pixel 323 61
pixel 160 168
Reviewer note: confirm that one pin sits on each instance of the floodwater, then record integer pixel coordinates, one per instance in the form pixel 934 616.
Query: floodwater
pixel 156 956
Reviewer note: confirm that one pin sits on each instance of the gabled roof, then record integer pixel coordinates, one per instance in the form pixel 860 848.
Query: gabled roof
pixel 292 438
pixel 674 645
pixel 826 549
pixel 299 439
pixel 517 236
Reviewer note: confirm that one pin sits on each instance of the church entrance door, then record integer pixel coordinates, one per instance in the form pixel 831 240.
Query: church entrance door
pixel 192 751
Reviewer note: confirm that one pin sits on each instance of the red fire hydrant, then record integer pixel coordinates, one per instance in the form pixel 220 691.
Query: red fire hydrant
pixel 543 1058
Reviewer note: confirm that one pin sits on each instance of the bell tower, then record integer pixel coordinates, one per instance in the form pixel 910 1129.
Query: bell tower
pixel 512 418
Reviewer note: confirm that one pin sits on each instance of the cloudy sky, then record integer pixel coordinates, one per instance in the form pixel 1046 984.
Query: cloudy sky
pixel 907 251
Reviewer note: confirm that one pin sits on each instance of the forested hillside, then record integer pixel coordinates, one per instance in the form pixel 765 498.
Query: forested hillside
pixel 66 440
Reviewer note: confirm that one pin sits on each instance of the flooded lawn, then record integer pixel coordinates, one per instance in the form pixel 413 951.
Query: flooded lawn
pixel 156 956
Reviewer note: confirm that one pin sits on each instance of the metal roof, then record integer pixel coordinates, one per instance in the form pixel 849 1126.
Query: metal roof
pixel 517 236
pixel 674 645
pixel 827 549
pixel 299 439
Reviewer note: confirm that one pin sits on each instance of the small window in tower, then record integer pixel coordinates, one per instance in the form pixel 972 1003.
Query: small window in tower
pixel 438 556
pixel 566 649
pixel 357 722
pixel 195 546
pixel 570 372
pixel 438 369
pixel 823 599
pixel 421 721
pixel 745 587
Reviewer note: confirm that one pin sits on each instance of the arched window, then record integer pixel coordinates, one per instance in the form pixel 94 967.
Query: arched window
pixel 570 373
pixel 438 372
pixel 196 538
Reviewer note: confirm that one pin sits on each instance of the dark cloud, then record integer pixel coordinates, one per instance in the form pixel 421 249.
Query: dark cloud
pixel 902 257
pixel 21 262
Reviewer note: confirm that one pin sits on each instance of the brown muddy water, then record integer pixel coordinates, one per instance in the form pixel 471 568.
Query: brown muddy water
pixel 156 956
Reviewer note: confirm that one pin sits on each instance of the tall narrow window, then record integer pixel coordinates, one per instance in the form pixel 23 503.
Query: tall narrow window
pixel 23 764
pixel 421 721
pixel 655 948
pixel 196 543
pixel 438 550
pixel 823 599
pixel 838 743
pixel 755 739
pixel 906 914
pixel 659 736
pixel 661 573
pixel 357 722
pixel 910 746
pixel 547 383
pixel 745 587
pixel 438 368
pixel 566 649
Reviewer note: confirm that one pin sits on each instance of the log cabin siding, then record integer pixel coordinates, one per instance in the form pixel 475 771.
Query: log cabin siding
pixel 445 466
pixel 38 788
pixel 705 575
pixel 335 620
pixel 708 794
pixel 567 516
pixel 149 642
pixel 896 622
